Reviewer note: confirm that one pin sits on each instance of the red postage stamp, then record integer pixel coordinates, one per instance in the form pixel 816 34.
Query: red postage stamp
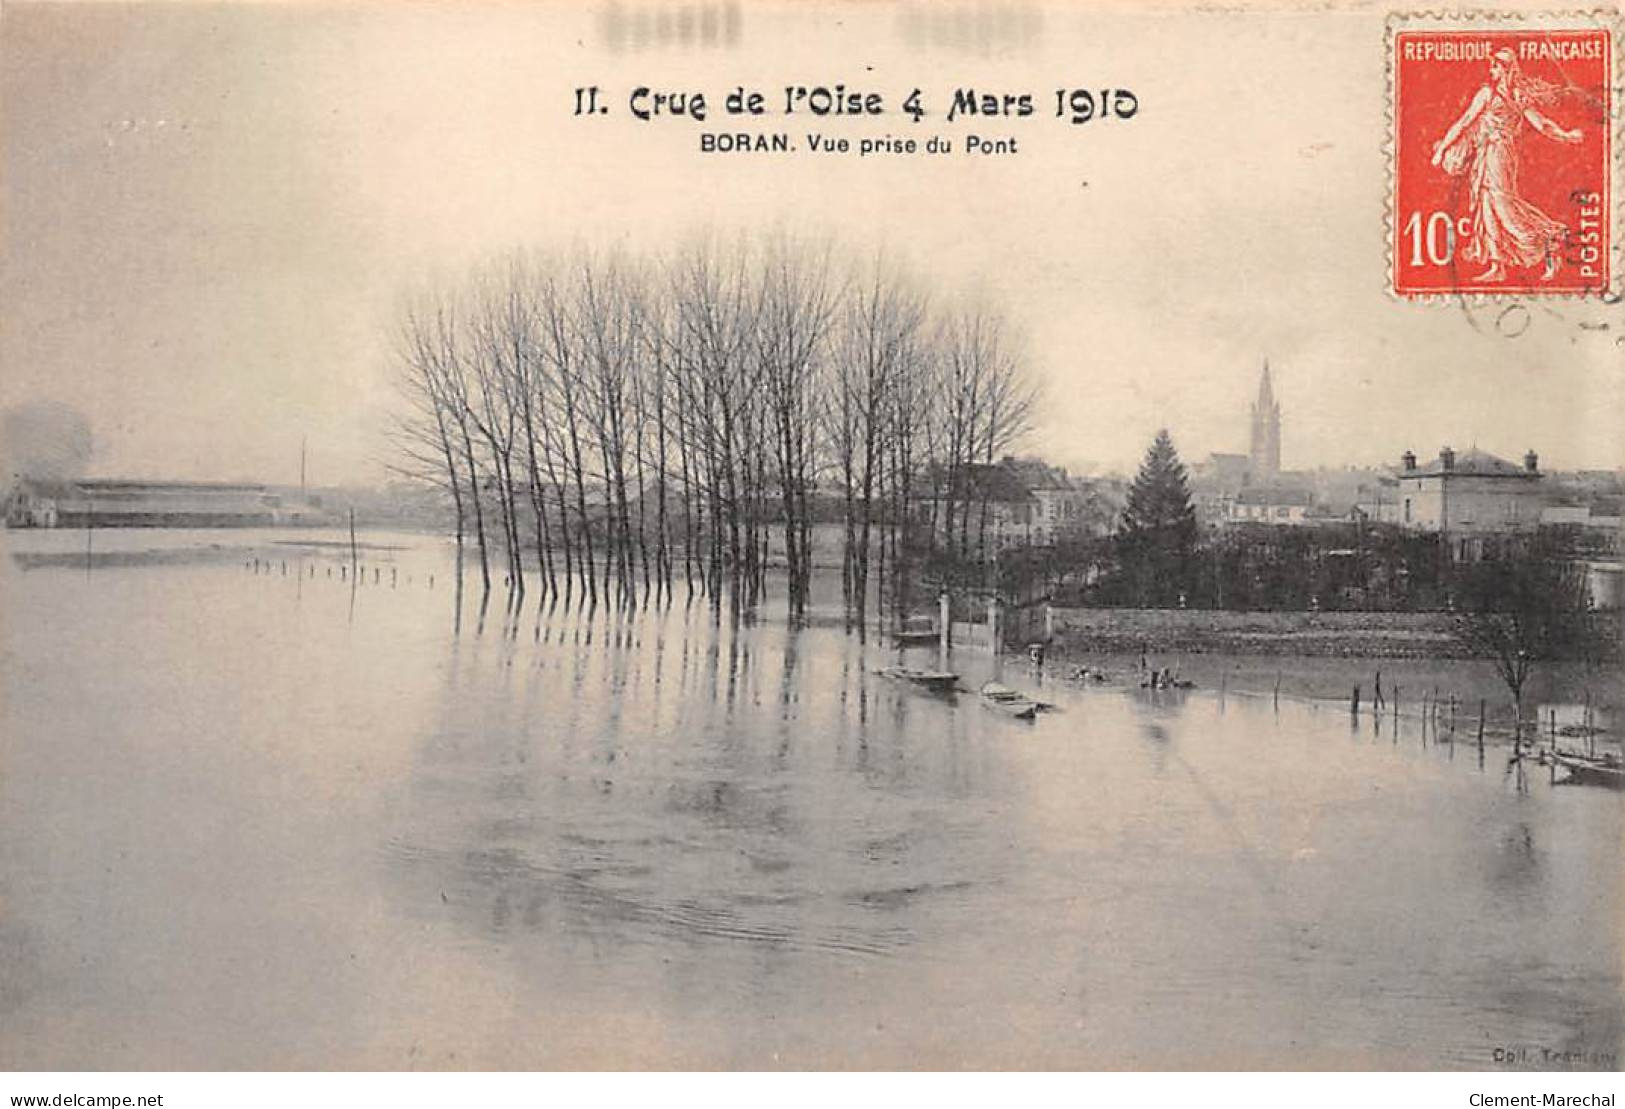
pixel 1503 155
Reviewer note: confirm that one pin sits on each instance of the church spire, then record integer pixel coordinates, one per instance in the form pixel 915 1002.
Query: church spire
pixel 1264 455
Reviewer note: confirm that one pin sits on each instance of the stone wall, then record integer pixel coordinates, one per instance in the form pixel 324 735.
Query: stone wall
pixel 1370 634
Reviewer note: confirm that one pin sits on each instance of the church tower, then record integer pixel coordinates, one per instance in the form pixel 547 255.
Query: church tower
pixel 1264 456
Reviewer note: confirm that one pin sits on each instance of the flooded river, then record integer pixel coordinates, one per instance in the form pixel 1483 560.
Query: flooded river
pixel 263 818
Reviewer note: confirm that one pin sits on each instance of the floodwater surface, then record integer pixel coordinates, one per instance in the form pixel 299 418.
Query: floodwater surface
pixel 257 816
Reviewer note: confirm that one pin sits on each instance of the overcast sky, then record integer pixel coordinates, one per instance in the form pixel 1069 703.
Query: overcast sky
pixel 210 213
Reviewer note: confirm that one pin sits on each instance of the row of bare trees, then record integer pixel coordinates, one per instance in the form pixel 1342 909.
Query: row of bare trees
pixel 612 424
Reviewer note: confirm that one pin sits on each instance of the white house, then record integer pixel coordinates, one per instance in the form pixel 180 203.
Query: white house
pixel 1270 504
pixel 1470 495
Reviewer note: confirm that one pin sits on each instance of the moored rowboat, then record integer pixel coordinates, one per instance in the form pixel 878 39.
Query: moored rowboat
pixel 1582 769
pixel 937 681
pixel 1010 702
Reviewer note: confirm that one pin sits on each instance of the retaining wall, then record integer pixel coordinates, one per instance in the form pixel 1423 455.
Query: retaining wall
pixel 1373 634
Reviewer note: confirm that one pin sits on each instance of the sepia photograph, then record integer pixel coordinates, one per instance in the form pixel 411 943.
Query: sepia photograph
pixel 727 536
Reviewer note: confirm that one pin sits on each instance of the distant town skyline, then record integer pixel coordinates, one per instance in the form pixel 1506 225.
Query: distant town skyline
pixel 211 215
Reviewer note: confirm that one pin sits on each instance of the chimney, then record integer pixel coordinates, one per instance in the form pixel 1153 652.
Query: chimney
pixel 1531 462
pixel 1409 459
pixel 1447 458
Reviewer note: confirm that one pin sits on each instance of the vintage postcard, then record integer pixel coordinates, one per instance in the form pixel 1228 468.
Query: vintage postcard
pixel 812 536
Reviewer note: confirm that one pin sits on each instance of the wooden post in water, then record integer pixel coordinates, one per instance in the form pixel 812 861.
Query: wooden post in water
pixel 1376 699
pixel 1591 731
pixel 1552 716
pixel 1277 691
pixel 352 539
pixel 1481 725
pixel 1354 703
pixel 1396 705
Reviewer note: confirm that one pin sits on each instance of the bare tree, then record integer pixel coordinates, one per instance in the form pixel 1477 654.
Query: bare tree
pixel 798 299
pixel 493 411
pixel 610 321
pixel 880 327
pixel 1523 608
pixel 563 349
pixel 423 434
pixel 711 339
pixel 433 352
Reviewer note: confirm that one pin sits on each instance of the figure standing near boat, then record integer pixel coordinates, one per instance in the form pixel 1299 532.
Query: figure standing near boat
pixel 1506 229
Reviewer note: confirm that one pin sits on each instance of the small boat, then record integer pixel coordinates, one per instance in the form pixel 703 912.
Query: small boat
pixel 1604 770
pixel 916 638
pixel 1010 702
pixel 937 681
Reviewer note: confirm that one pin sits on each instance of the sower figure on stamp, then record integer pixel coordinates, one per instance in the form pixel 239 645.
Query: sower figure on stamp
pixel 1506 228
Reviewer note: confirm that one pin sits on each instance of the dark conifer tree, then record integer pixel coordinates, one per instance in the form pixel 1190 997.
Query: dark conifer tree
pixel 1157 539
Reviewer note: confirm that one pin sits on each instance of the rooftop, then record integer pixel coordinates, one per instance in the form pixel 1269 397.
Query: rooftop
pixel 1275 495
pixel 1473 462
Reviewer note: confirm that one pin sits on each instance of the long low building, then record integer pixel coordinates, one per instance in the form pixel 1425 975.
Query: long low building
pixel 118 503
